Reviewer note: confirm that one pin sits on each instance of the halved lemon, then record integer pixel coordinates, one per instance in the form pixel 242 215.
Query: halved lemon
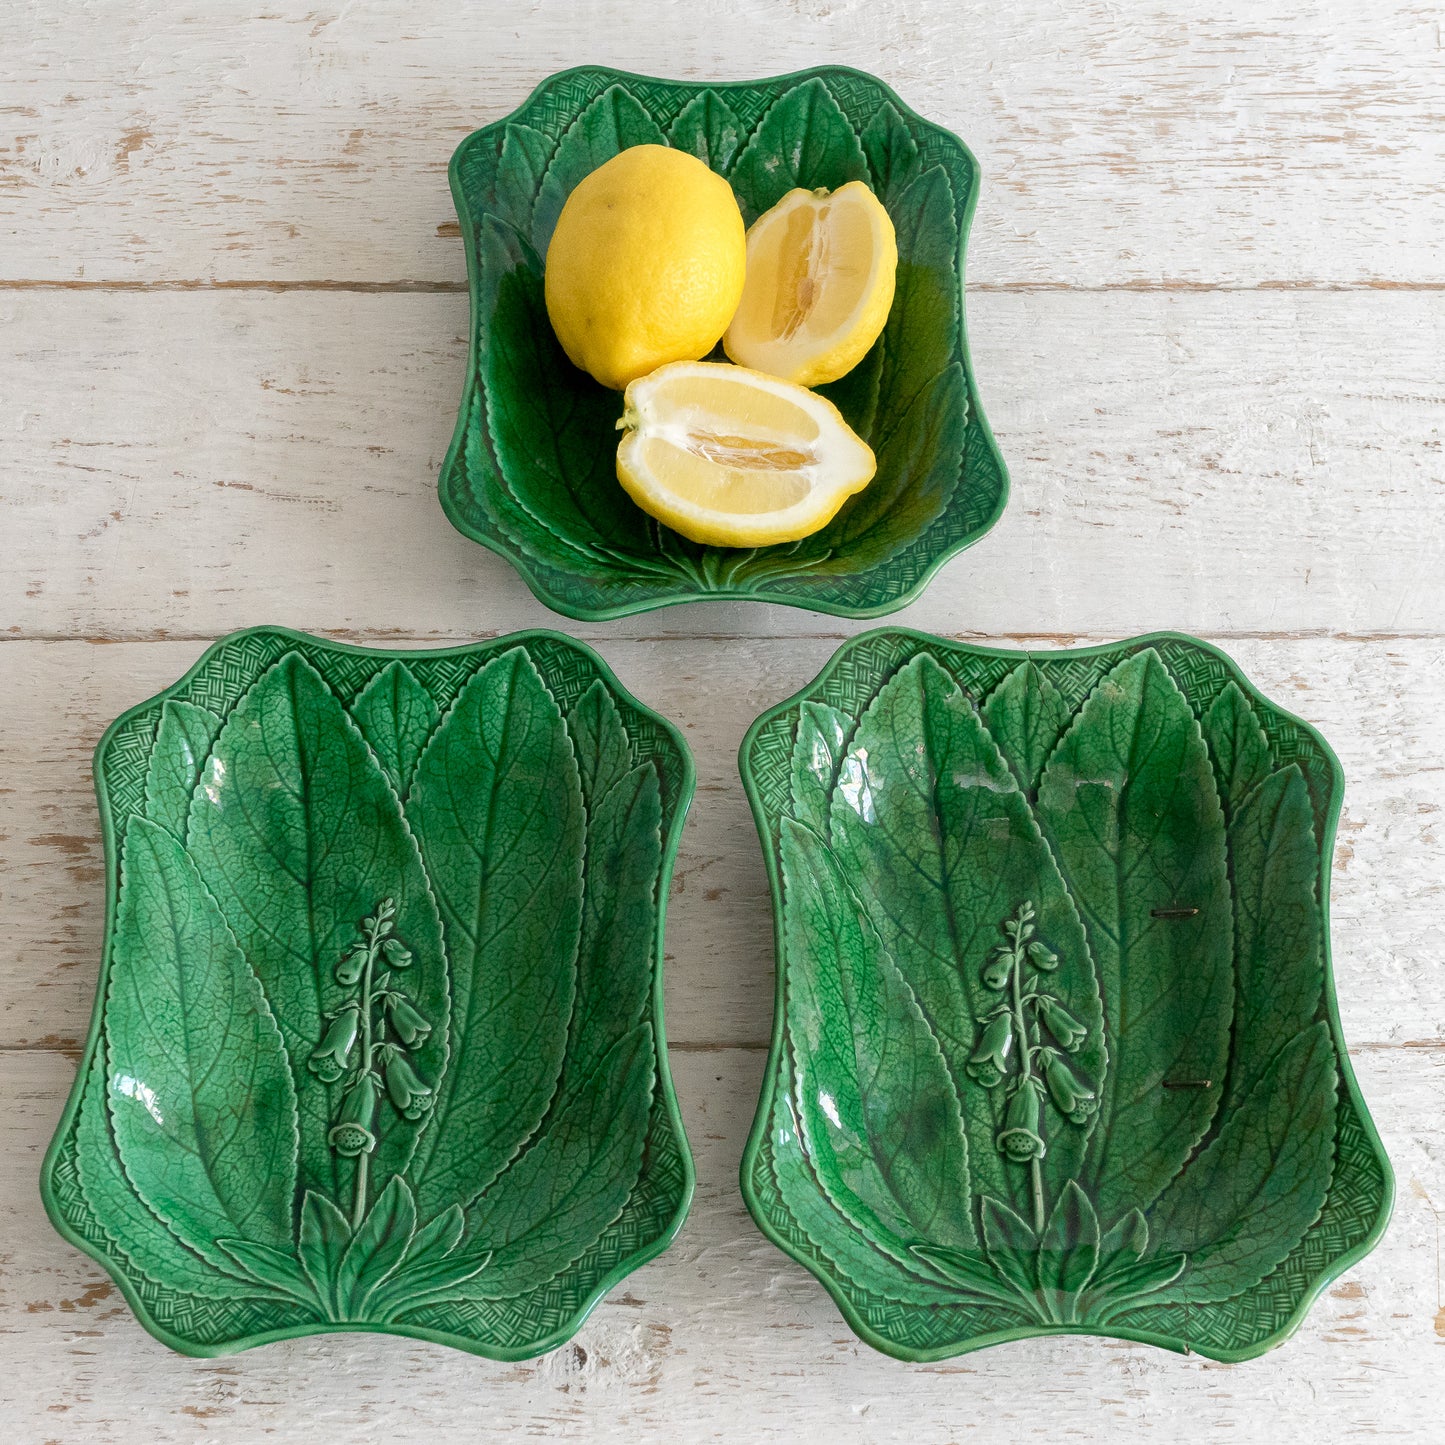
pixel 735 458
pixel 820 273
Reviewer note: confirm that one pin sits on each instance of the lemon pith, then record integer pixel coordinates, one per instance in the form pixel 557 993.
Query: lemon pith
pixel 821 269
pixel 646 264
pixel 736 458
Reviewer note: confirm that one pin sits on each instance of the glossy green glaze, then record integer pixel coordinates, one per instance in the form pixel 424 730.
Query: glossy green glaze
pixel 531 469
pixel 378 1038
pixel 1055 1046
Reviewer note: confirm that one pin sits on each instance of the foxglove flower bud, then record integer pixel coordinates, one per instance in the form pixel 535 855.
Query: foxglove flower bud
pixel 1019 1139
pixel 349 969
pixel 1061 1023
pixel 411 1028
pixel 352 1133
pixel 996 971
pixel 398 955
pixel 989 1061
pixel 330 1058
pixel 1042 956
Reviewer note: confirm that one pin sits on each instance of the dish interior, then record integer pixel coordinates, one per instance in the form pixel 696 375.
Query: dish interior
pixel 377 1039
pixel 531 470
pixel 1056 1045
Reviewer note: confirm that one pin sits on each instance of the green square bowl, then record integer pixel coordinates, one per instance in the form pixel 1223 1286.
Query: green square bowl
pixel 531 468
pixel 1055 1046
pixel 377 1042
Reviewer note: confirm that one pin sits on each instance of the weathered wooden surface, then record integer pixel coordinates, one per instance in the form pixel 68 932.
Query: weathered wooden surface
pixel 1207 311
pixel 1152 143
pixel 1217 462
pixel 722 1338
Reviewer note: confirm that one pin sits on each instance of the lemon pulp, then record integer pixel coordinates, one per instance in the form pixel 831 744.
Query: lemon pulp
pixel 821 268
pixel 736 458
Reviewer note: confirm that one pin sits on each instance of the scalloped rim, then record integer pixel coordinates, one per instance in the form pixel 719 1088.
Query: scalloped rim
pixel 494 542
pixel 758 1134
pixel 670 842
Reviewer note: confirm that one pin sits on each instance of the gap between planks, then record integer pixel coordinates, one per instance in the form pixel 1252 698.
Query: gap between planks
pixel 980 287
pixel 397 637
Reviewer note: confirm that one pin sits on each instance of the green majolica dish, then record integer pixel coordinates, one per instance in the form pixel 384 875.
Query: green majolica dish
pixel 378 1041
pixel 531 469
pixel 1056 1047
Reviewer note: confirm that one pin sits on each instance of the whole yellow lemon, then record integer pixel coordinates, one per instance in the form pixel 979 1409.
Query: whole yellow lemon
pixel 646 265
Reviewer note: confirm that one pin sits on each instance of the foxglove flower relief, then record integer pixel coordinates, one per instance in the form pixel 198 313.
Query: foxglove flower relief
pixel 1067 1030
pixel 1042 956
pixel 1020 1138
pixel 1073 1098
pixel 331 1058
pixel 997 970
pixel 408 1094
pixel 989 1061
pixel 408 1025
pixel 397 954
pixel 351 1136
pixel 351 966
pixel 373 1012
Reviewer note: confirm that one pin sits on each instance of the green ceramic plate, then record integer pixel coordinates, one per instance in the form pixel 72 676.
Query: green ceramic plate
pixel 378 1038
pixel 530 472
pixel 1056 1047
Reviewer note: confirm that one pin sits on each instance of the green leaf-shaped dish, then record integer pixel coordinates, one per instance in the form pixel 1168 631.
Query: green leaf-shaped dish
pixel 1055 1046
pixel 531 468
pixel 377 1043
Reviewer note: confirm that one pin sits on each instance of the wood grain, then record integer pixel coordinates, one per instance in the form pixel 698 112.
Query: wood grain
pixel 1207 311
pixel 181 464
pixel 1381 705
pixel 1173 142
pixel 723 1337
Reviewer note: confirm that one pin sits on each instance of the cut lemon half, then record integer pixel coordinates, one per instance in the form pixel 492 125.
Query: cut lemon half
pixel 735 458
pixel 820 275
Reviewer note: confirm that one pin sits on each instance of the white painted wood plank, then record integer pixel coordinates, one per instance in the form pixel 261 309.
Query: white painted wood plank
pixel 1382 706
pixel 177 463
pixel 723 1337
pixel 182 464
pixel 1171 141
